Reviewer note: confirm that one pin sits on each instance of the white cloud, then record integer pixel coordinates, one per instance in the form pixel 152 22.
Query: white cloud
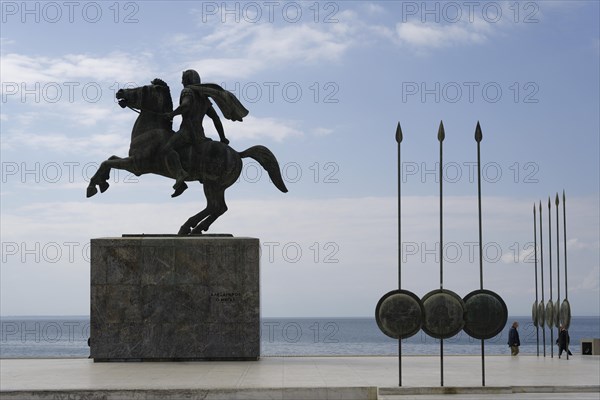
pixel 320 131
pixel 577 244
pixel 77 68
pixel 225 68
pixel 61 143
pixel 92 129
pixel 253 128
pixel 374 9
pixel 588 283
pixel 424 35
pixel 245 48
pixel 360 233
pixel 524 255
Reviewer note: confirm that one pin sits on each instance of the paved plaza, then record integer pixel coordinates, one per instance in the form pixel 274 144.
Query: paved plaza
pixel 507 377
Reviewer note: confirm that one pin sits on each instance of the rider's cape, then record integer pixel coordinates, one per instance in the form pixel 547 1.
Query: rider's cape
pixel 229 105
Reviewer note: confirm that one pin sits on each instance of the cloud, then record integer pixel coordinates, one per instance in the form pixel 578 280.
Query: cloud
pixel 226 68
pixel 246 48
pixel 524 255
pixel 422 35
pixel 577 244
pixel 320 131
pixel 358 234
pixel 588 283
pixel 92 129
pixel 253 128
pixel 30 69
pixel 100 144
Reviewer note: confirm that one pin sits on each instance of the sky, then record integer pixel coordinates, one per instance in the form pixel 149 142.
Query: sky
pixel 326 83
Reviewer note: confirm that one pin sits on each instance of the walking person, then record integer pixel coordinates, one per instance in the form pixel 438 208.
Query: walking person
pixel 563 341
pixel 513 339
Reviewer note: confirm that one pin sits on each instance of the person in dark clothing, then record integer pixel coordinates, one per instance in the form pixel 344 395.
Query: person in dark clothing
pixel 563 341
pixel 513 339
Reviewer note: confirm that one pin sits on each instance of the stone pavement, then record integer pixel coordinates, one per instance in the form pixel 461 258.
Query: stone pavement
pixel 522 377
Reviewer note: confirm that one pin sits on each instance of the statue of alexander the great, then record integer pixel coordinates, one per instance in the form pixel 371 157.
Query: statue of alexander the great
pixel 186 155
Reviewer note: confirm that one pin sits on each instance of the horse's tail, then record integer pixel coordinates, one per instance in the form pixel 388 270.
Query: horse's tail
pixel 268 161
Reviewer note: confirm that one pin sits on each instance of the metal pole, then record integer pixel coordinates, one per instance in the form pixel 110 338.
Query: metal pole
pixel 565 239
pixel 557 311
pixel 542 273
pixel 537 325
pixel 399 140
pixel 441 136
pixel 478 138
pixel 550 261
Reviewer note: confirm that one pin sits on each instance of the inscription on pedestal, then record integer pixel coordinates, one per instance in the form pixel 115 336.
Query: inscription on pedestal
pixel 175 298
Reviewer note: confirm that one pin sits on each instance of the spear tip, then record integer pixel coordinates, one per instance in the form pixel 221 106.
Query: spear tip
pixel 478 134
pixel 398 133
pixel 533 208
pixel 556 201
pixel 549 202
pixel 441 132
pixel 564 196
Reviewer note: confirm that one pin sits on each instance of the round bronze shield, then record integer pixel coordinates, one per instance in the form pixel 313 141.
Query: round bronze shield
pixel 540 315
pixel 444 313
pixel 550 314
pixel 557 313
pixel 485 314
pixel 534 309
pixel 565 314
pixel 399 314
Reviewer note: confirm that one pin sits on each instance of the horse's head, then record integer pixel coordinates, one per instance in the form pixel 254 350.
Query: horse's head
pixel 155 97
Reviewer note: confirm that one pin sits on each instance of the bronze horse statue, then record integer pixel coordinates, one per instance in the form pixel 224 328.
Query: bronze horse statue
pixel 214 164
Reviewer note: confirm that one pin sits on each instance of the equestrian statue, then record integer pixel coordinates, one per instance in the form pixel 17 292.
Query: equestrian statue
pixel 187 155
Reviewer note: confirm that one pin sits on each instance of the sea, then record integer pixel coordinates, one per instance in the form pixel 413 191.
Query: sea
pixel 67 337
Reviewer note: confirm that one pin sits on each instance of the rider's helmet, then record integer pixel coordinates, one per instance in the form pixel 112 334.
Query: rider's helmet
pixel 190 77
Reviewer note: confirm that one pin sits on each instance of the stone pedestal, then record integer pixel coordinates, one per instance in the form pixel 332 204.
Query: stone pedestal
pixel 175 298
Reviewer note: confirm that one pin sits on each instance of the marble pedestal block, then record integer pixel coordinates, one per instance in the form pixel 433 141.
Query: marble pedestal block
pixel 174 298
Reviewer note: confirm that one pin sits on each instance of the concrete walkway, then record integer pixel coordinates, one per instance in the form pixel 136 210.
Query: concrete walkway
pixel 302 378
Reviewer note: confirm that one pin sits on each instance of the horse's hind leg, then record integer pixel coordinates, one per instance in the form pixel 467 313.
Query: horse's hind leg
pixel 215 196
pixel 186 228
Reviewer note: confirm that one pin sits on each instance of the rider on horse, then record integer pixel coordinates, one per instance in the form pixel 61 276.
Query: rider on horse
pixel 193 106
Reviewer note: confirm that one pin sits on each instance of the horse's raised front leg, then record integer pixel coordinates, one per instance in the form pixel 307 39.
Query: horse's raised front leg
pixel 101 176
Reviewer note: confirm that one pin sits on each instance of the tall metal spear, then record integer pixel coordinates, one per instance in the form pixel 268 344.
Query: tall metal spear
pixel 566 304
pixel 557 304
pixel 535 305
pixel 399 140
pixel 478 138
pixel 441 136
pixel 550 318
pixel 542 319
